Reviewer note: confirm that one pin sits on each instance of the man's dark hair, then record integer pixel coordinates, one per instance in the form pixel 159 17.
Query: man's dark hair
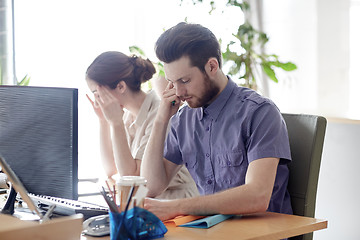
pixel 191 40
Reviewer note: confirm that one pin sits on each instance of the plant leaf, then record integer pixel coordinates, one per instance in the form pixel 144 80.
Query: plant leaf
pixel 263 38
pixel 288 66
pixel 161 72
pixel 270 72
pixel 230 56
pixel 136 50
pixel 25 81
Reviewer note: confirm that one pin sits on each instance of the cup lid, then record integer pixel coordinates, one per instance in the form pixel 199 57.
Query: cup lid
pixel 131 180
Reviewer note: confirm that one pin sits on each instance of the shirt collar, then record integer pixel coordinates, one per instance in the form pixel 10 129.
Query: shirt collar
pixel 214 109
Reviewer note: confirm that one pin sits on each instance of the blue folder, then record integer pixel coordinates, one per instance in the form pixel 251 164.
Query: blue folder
pixel 207 222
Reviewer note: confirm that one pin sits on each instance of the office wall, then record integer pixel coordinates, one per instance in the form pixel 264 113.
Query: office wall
pixel 315 35
pixel 338 195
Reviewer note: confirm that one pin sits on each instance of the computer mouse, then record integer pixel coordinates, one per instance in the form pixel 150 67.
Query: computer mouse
pixel 97 226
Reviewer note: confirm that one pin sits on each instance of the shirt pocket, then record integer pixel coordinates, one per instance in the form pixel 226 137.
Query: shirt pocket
pixel 191 163
pixel 230 159
pixel 190 160
pixel 231 169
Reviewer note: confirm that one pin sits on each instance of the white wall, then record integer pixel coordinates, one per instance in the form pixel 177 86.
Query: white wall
pixel 338 195
pixel 315 35
pixel 333 57
pixel 291 27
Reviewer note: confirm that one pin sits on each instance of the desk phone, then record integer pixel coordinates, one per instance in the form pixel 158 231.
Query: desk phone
pixel 97 226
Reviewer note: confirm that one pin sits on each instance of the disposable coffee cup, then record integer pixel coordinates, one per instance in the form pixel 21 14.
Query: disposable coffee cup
pixel 124 185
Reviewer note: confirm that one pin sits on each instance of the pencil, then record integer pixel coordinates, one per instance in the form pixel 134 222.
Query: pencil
pixel 111 193
pixel 110 203
pixel 114 191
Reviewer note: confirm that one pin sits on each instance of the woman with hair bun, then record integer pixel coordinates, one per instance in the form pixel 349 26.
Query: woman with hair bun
pixel 126 115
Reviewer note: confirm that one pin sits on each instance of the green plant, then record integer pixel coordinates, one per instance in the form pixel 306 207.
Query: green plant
pixel 24 82
pixel 246 63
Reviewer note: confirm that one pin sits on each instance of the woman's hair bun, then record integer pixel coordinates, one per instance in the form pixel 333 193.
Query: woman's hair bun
pixel 143 68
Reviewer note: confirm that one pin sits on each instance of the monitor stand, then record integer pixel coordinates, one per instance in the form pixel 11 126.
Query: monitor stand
pixel 10 202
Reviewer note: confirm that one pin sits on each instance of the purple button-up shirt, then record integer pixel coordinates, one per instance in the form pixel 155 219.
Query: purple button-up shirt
pixel 218 142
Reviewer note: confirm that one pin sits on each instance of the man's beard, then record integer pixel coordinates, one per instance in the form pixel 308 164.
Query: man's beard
pixel 208 95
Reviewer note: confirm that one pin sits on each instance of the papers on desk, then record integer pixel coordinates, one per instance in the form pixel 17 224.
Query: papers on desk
pixel 179 220
pixel 197 221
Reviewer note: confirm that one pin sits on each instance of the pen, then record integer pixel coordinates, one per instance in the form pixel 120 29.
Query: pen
pixel 110 202
pixel 129 199
pixel 114 194
pixel 173 103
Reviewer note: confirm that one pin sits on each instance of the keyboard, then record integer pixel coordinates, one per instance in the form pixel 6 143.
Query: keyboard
pixel 67 206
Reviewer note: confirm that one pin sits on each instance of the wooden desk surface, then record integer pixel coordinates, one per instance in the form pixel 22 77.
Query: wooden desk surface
pixel 255 226
pixel 266 225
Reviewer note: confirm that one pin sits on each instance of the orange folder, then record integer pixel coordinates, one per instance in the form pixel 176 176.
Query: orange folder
pixel 179 220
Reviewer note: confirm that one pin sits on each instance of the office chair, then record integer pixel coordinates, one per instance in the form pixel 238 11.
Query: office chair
pixel 306 136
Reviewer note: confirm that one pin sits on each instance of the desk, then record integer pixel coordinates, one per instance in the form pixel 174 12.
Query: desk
pixel 258 226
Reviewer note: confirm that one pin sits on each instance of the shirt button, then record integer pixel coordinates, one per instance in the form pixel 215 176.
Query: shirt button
pixel 207 155
pixel 209 181
pixel 208 129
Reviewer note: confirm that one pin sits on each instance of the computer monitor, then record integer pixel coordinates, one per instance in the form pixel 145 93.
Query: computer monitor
pixel 39 138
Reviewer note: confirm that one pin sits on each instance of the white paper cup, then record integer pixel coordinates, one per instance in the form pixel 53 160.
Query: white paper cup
pixel 124 185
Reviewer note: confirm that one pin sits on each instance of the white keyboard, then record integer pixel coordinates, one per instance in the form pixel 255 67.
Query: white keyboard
pixel 67 206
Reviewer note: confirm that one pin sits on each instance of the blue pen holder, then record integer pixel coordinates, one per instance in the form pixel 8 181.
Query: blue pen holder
pixel 136 223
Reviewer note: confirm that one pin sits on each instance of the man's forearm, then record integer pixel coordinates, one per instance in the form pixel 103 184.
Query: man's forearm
pixel 239 200
pixel 152 166
pixel 253 196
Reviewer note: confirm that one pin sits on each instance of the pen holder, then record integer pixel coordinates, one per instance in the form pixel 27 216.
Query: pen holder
pixel 136 223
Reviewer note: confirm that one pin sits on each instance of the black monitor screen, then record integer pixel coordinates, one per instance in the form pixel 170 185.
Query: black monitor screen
pixel 38 138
